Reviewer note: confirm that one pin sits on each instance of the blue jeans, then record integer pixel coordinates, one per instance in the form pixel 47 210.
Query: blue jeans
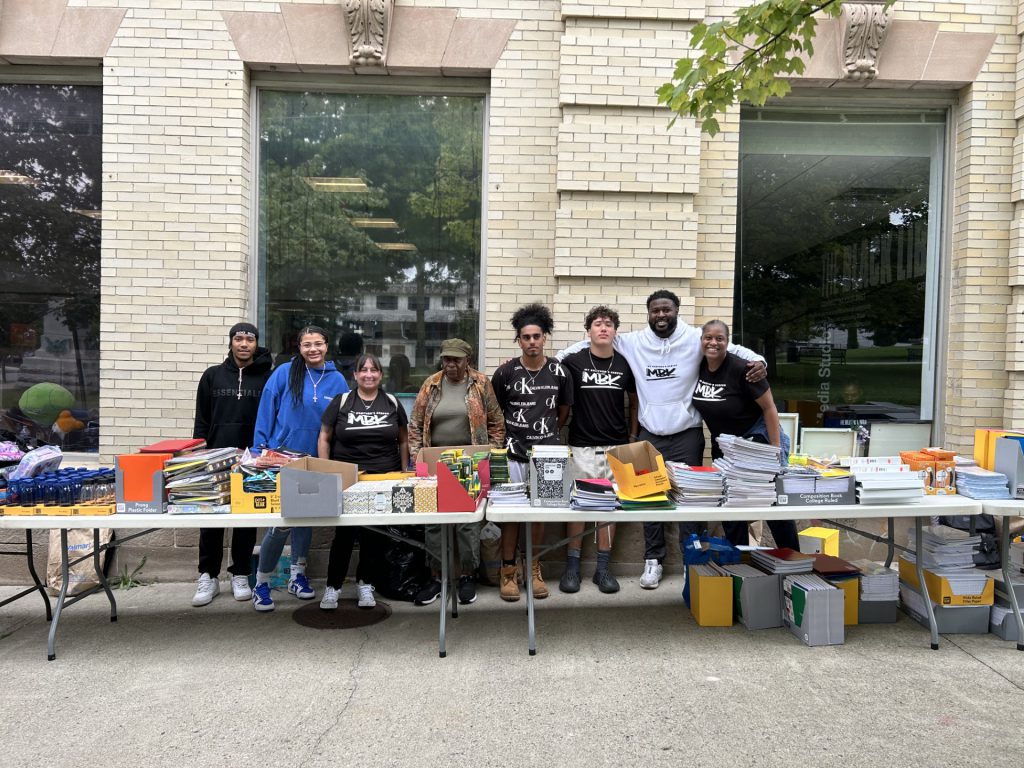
pixel 273 544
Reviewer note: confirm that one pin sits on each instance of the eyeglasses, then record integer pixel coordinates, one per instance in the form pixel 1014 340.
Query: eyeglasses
pixel 244 337
pixel 307 345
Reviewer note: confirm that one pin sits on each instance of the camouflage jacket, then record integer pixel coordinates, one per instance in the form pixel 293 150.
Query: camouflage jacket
pixel 486 422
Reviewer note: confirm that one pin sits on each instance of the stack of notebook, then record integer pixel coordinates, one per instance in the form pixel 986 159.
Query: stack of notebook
pixel 200 477
pixel 782 560
pixel 507 495
pixel 749 470
pixel 877 583
pixel 696 486
pixel 981 483
pixel 943 548
pixel 593 494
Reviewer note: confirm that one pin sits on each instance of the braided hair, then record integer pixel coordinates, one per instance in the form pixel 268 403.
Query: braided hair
pixel 297 373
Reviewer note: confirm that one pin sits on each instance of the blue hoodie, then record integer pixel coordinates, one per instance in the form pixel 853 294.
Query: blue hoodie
pixel 280 423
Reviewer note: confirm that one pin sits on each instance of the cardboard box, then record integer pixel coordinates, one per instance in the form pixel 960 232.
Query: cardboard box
pixel 94 510
pixel 1009 460
pixel 139 483
pixel 949 619
pixel 639 469
pixel 710 596
pixel 243 503
pixel 1002 596
pixel 451 496
pixel 940 590
pixel 878 611
pixel 813 615
pixel 425 493
pixel 1006 629
pixel 788 496
pixel 819 541
pixel 757 599
pixel 369 497
pixel 851 599
pixel 313 487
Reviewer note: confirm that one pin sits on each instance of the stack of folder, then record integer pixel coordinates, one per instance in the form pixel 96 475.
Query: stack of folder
pixel 696 486
pixel 782 560
pixel 593 494
pixel 981 483
pixel 641 503
pixel 881 482
pixel 200 477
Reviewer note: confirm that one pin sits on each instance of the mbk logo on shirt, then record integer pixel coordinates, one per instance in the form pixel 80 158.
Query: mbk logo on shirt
pixel 368 420
pixel 600 380
pixel 709 392
pixel 665 372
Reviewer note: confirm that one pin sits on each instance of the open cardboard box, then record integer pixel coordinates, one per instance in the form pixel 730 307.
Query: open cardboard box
pixel 313 487
pixel 451 496
pixel 639 469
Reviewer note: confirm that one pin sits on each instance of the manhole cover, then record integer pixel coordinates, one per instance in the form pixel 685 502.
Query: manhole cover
pixel 347 616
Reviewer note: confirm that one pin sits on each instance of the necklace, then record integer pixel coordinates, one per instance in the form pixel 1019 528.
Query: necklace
pixel 317 382
pixel 536 373
pixel 593 365
pixel 366 405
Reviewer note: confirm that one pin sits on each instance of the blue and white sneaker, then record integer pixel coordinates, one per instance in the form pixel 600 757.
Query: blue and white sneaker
pixel 261 599
pixel 299 586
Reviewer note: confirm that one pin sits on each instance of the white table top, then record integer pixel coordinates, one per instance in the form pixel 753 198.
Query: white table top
pixel 929 505
pixel 1003 507
pixel 35 522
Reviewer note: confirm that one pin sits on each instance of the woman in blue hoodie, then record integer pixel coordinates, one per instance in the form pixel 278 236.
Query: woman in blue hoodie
pixel 292 404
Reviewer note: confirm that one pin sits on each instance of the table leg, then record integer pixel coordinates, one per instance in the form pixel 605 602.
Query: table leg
pixel 923 587
pixel 1004 554
pixel 51 641
pixel 100 576
pixel 891 543
pixel 449 534
pixel 441 650
pixel 35 577
pixel 528 577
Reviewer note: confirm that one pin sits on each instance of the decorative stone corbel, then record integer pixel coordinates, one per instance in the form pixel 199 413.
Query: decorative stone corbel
pixel 368 22
pixel 866 24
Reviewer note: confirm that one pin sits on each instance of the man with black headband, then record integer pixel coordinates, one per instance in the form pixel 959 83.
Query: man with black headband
pixel 226 403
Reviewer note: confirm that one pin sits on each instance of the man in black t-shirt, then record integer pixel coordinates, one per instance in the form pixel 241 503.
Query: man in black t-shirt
pixel 534 393
pixel 601 380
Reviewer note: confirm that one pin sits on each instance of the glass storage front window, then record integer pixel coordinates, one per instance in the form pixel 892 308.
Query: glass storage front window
pixel 50 210
pixel 836 261
pixel 375 196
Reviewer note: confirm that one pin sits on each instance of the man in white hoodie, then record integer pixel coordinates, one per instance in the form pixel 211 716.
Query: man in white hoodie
pixel 665 358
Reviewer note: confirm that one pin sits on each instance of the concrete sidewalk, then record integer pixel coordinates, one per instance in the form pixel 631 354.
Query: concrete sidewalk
pixel 626 679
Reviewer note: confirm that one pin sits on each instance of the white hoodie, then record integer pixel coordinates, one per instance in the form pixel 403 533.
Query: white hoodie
pixel 666 374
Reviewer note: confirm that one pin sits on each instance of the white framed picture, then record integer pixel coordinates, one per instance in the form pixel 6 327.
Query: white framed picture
pixel 824 442
pixel 790 423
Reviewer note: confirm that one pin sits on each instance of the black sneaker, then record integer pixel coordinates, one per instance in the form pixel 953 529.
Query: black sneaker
pixel 570 581
pixel 428 594
pixel 467 590
pixel 606 582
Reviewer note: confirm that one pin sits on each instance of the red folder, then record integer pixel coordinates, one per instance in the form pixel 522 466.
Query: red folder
pixel 182 445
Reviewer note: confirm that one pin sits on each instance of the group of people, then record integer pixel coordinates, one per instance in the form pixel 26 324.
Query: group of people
pixel 656 384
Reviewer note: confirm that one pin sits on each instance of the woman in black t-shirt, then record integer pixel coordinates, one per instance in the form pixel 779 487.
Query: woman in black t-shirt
pixel 731 405
pixel 367 427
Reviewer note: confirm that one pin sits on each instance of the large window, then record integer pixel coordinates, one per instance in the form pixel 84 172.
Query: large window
pixel 376 196
pixel 836 265
pixel 50 155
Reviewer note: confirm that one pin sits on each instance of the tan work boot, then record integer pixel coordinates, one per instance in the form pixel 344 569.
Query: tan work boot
pixel 507 586
pixel 540 589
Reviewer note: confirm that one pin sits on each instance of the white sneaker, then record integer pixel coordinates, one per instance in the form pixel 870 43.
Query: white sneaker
pixel 366 595
pixel 240 588
pixel 652 574
pixel 330 599
pixel 207 588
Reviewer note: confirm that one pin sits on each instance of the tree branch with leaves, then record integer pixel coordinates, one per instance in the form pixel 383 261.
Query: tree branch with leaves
pixel 744 58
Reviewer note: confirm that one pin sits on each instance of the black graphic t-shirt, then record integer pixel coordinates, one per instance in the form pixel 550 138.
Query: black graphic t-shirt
pixel 366 435
pixel 726 400
pixel 598 408
pixel 530 403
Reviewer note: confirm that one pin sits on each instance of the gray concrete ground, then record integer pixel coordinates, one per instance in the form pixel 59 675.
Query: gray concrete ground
pixel 618 680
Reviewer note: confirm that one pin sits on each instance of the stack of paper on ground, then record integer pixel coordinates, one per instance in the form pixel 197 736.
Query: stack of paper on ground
pixel 593 493
pixel 943 547
pixel 507 495
pixel 696 486
pixel 950 619
pixel 749 471
pixel 981 483
pixel 711 594
pixel 813 609
pixel 947 556
pixel 757 596
pixel 877 583
pixel 885 480
pixel 783 560
pixel 199 481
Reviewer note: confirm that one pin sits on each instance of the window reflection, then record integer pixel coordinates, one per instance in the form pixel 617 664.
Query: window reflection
pixel 50 157
pixel 378 197
pixel 834 252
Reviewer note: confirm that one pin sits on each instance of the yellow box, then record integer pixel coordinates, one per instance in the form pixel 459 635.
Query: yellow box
pixel 851 599
pixel 939 589
pixel 21 511
pixel 243 503
pixel 819 541
pixel 985 445
pixel 710 598
pixel 639 469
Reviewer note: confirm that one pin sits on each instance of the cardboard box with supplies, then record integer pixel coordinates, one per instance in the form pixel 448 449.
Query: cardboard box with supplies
pixel 639 469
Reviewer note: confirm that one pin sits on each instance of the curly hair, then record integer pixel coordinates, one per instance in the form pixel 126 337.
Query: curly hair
pixel 297 373
pixel 533 314
pixel 601 311
pixel 663 294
